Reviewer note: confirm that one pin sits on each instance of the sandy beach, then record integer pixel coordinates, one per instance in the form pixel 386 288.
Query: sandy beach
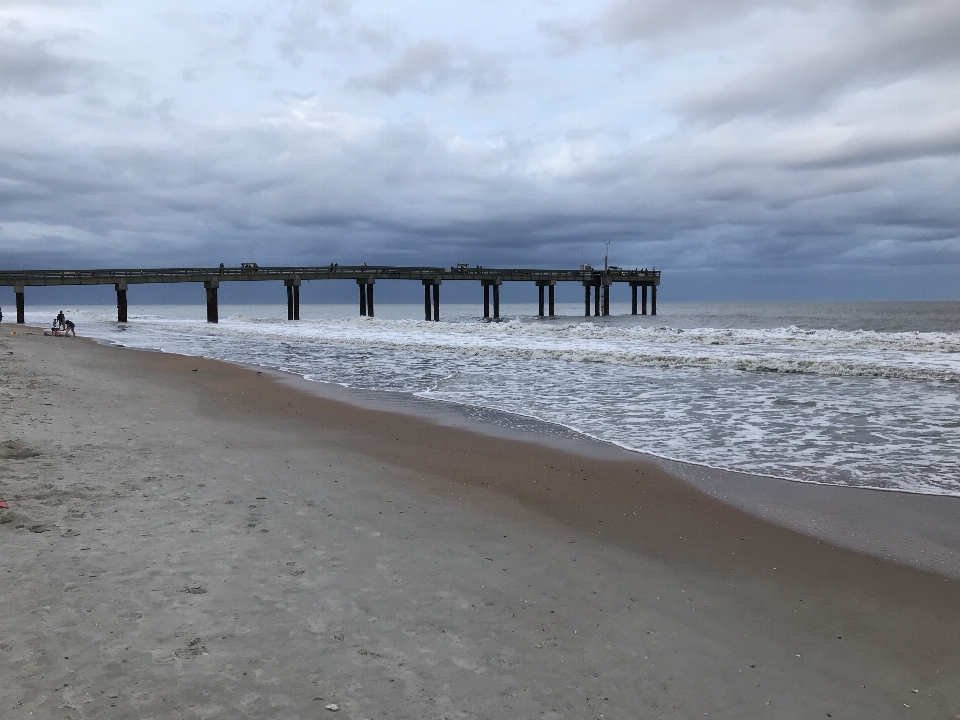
pixel 189 538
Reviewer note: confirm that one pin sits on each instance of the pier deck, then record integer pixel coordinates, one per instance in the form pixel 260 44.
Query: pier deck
pixel 364 275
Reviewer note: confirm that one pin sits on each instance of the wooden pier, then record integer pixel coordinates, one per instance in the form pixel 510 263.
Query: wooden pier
pixel 365 276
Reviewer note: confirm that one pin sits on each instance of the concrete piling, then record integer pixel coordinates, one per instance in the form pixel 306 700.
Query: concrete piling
pixel 495 284
pixel 435 284
pixel 20 308
pixel 366 295
pixel 293 298
pixel 212 310
pixel 549 284
pixel 121 288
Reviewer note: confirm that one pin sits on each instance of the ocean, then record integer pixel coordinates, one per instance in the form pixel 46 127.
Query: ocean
pixel 856 394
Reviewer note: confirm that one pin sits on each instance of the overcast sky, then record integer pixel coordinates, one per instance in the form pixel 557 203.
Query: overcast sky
pixel 749 149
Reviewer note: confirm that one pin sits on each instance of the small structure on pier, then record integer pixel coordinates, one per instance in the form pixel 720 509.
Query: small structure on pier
pixel 365 276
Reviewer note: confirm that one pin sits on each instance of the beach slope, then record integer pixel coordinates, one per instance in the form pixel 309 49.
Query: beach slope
pixel 189 538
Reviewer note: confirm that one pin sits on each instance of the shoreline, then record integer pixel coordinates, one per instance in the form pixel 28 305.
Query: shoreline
pixel 918 529
pixel 199 520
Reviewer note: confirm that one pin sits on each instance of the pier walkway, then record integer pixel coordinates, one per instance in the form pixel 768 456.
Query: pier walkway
pixel 596 282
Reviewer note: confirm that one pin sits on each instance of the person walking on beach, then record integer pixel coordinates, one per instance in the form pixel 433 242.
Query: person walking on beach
pixel 71 328
pixel 61 320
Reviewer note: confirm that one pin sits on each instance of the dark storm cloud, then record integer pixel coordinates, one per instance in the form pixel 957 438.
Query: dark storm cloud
pixel 877 149
pixel 876 46
pixel 431 65
pixel 31 68
pixel 628 21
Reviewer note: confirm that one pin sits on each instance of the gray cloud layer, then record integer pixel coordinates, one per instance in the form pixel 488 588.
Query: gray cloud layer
pixel 759 140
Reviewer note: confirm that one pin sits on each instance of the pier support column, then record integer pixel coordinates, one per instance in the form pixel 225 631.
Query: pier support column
pixel 541 284
pixel 596 300
pixel 540 304
pixel 19 291
pixel 495 284
pixel 212 312
pixel 653 299
pixel 643 298
pixel 366 295
pixel 606 297
pixel 586 300
pixel 293 298
pixel 435 284
pixel 550 299
pixel 633 299
pixel 121 288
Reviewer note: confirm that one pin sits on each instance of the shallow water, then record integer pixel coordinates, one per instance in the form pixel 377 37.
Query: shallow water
pixel 863 394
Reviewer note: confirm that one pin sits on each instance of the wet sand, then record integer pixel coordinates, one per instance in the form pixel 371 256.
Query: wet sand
pixel 189 538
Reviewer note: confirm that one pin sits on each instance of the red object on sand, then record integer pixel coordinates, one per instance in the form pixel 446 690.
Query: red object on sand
pixel 3 504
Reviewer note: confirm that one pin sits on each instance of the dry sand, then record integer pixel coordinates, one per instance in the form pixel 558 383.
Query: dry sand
pixel 188 538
